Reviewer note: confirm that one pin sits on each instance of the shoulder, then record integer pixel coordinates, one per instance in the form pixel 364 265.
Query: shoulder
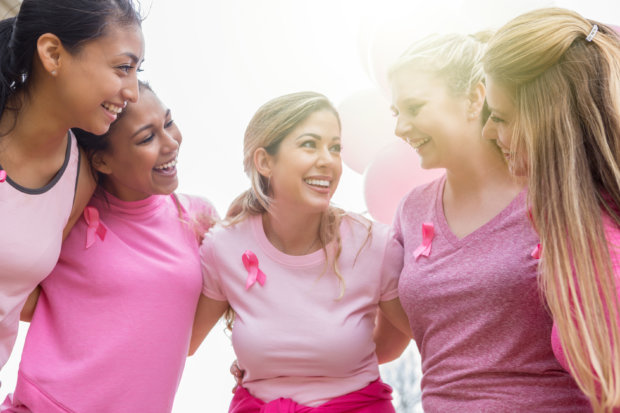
pixel 196 205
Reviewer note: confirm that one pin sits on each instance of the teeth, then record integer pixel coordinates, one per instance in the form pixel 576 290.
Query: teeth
pixel 318 182
pixel 417 144
pixel 167 165
pixel 112 108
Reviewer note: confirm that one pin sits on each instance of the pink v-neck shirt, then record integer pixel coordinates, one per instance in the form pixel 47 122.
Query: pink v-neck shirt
pixel 476 314
pixel 112 326
pixel 31 222
pixel 293 336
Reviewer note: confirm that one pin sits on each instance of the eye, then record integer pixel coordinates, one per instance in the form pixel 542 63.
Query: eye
pixel 169 123
pixel 414 109
pixel 310 143
pixel 337 148
pixel 495 119
pixel 147 139
pixel 125 68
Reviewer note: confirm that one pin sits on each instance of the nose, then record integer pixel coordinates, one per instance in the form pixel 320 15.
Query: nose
pixel 402 128
pixel 171 141
pixel 489 131
pixel 130 91
pixel 326 157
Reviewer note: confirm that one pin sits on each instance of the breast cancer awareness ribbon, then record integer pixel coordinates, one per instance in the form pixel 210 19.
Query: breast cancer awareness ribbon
pixel 2 175
pixel 250 263
pixel 428 233
pixel 95 227
pixel 536 252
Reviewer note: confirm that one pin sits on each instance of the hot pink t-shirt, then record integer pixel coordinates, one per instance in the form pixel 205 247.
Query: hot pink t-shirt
pixel 31 226
pixel 293 336
pixel 112 325
pixel 476 314
pixel 612 233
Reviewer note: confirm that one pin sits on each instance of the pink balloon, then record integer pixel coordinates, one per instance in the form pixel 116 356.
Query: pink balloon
pixel 394 172
pixel 367 126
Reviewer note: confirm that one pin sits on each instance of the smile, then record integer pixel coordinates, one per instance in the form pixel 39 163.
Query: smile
pixel 166 166
pixel 418 143
pixel 112 108
pixel 323 183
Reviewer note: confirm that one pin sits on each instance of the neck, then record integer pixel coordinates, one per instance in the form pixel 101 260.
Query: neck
pixel 481 170
pixel 37 128
pixel 291 232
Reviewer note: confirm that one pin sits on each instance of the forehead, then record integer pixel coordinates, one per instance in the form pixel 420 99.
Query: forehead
pixel 118 40
pixel 323 118
pixel 498 97
pixel 147 109
pixel 409 83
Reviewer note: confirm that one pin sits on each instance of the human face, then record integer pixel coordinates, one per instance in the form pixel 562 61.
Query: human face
pixel 429 118
pixel 305 172
pixel 96 82
pixel 142 155
pixel 500 125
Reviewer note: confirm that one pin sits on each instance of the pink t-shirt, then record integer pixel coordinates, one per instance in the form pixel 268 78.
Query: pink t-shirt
pixel 612 233
pixel 32 222
pixel 477 315
pixel 293 336
pixel 112 326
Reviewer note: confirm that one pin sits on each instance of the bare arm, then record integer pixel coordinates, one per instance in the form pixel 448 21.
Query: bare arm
pixel 207 314
pixel 85 187
pixel 30 305
pixel 392 333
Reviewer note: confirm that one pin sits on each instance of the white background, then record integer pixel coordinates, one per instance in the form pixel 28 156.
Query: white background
pixel 215 62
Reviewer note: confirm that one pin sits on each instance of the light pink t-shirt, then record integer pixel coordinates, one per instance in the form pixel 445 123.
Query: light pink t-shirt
pixel 612 233
pixel 293 336
pixel 477 315
pixel 112 326
pixel 31 223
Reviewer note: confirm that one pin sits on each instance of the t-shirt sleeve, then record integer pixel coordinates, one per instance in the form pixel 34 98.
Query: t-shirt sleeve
pixel 391 267
pixel 211 282
pixel 396 225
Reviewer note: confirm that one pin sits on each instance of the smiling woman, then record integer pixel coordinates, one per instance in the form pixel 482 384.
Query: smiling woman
pixel 63 64
pixel 114 317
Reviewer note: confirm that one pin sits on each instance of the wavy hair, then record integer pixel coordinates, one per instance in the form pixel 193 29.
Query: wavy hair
pixel 566 92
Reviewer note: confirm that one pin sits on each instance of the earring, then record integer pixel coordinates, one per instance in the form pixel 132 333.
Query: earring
pixel 54 72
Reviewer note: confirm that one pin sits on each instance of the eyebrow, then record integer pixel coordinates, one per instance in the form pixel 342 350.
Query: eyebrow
pixel 133 57
pixel 315 136
pixel 150 125
pixel 492 109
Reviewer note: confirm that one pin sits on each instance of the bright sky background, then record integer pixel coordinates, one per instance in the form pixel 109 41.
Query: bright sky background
pixel 215 62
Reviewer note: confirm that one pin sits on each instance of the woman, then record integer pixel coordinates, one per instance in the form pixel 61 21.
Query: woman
pixel 63 64
pixel 468 284
pixel 554 92
pixel 113 322
pixel 304 278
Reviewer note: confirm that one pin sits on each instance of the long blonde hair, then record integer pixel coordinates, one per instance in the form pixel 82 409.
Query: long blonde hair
pixel 273 122
pixel 566 92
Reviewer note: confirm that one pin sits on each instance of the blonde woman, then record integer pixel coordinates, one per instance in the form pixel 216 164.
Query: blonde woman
pixel 468 284
pixel 303 277
pixel 554 92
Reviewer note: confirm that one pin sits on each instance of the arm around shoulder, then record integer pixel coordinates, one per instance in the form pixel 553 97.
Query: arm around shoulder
pixel 85 187
pixel 392 331
pixel 207 314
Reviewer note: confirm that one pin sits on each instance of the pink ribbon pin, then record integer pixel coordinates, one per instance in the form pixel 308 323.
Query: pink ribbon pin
pixel 428 233
pixel 2 175
pixel 254 273
pixel 95 227
pixel 536 252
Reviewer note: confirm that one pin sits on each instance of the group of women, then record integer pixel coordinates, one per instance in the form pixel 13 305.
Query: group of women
pixel 503 271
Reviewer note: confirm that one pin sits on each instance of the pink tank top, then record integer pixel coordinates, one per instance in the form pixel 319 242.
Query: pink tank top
pixel 31 222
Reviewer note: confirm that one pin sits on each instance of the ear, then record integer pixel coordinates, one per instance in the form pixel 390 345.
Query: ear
pixel 99 163
pixel 476 101
pixel 50 52
pixel 263 162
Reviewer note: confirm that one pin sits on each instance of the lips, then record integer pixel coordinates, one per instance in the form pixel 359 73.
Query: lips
pixel 321 183
pixel 416 143
pixel 111 107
